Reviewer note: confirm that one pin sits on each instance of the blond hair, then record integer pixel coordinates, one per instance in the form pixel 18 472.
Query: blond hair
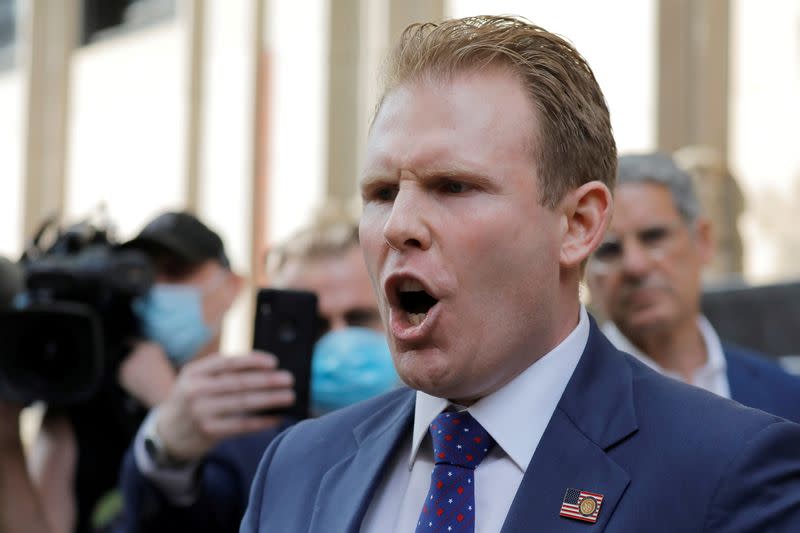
pixel 333 231
pixel 575 142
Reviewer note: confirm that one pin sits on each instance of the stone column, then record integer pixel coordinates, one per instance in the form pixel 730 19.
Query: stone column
pixel 693 74
pixel 192 13
pixel 50 32
pixel 361 32
pixel 344 75
pixel 402 13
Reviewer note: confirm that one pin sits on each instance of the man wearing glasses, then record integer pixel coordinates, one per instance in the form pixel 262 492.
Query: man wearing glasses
pixel 646 278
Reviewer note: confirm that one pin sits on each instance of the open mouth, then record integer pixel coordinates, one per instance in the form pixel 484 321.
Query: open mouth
pixel 414 301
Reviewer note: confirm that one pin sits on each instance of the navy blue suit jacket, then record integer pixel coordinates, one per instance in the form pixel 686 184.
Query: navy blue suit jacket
pixel 667 457
pixel 757 382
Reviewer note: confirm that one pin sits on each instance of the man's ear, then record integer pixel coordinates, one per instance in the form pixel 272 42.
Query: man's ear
pixel 234 285
pixel 704 240
pixel 586 214
pixel 238 282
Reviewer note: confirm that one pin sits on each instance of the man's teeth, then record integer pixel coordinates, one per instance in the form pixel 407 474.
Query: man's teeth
pixel 411 285
pixel 416 318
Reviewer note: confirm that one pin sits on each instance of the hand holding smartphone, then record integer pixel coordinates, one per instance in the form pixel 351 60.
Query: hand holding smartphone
pixel 286 325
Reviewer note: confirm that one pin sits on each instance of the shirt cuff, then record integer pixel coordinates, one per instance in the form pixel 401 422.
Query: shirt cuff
pixel 179 485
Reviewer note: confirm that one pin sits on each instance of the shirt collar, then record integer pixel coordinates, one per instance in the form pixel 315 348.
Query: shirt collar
pixel 716 356
pixel 532 396
pixel 715 363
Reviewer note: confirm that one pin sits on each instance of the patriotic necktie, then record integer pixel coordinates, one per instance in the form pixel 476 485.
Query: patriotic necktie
pixel 459 446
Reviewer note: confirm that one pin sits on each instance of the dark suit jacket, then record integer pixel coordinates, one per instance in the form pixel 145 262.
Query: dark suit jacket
pixel 757 382
pixel 225 479
pixel 667 457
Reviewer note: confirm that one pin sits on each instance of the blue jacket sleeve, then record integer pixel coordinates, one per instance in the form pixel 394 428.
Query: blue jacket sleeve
pixel 224 481
pixel 146 510
pixel 760 491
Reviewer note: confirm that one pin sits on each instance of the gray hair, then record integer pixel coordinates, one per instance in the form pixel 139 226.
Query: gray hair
pixel 661 169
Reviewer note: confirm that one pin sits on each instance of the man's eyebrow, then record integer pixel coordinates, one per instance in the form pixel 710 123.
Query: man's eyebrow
pixel 658 226
pixel 378 176
pixel 456 174
pixel 431 176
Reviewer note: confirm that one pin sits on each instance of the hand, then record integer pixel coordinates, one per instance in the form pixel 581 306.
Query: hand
pixel 21 507
pixel 217 397
pixel 53 465
pixel 146 373
pixel 9 424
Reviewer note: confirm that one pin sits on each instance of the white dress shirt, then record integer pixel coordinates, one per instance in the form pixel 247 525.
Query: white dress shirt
pixel 515 416
pixel 712 376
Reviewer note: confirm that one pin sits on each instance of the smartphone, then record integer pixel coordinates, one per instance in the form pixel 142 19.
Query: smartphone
pixel 286 325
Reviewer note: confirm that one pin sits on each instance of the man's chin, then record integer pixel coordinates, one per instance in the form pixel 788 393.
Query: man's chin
pixel 646 323
pixel 454 390
pixel 428 371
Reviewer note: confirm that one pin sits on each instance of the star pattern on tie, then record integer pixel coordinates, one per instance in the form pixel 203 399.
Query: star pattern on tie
pixel 459 446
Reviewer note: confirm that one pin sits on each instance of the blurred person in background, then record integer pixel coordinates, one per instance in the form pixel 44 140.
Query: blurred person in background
pixel 76 457
pixel 646 279
pixel 195 456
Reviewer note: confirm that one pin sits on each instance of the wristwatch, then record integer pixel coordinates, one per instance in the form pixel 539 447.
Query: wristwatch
pixel 155 447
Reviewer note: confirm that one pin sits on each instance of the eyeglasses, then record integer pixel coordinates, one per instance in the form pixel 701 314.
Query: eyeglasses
pixel 654 241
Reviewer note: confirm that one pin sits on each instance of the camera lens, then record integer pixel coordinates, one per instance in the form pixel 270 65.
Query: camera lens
pixel 52 354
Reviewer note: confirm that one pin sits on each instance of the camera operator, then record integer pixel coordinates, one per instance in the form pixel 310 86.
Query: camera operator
pixel 209 439
pixel 77 454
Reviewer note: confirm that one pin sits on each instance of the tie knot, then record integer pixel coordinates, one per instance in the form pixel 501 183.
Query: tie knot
pixel 458 439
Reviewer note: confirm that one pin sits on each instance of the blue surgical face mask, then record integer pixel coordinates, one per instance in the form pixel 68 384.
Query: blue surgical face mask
pixel 172 316
pixel 350 365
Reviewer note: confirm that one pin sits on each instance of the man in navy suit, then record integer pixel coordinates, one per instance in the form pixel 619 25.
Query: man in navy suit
pixel 646 278
pixel 486 187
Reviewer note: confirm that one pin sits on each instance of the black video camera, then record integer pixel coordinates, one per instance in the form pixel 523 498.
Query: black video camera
pixel 73 321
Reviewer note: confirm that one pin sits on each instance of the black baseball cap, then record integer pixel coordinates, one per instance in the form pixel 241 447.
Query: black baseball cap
pixel 182 234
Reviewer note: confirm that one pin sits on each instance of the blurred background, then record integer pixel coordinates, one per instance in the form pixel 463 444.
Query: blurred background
pixel 252 112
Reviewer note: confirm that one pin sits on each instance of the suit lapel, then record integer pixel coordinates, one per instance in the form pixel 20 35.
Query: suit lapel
pixel 347 488
pixel 596 412
pixel 565 459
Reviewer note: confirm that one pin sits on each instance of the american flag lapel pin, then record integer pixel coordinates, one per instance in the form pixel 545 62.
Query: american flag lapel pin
pixel 581 505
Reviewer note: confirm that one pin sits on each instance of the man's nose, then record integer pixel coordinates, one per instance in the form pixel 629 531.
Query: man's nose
pixel 407 225
pixel 338 323
pixel 636 259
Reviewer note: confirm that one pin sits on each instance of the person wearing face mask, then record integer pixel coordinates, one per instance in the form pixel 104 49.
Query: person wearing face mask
pixel 192 463
pixel 78 452
pixel 194 288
